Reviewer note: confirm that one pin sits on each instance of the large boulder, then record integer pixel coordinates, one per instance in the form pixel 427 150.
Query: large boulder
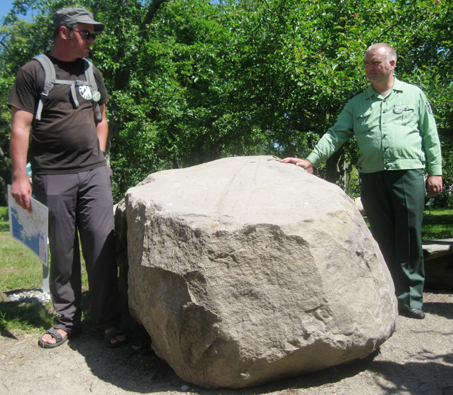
pixel 245 270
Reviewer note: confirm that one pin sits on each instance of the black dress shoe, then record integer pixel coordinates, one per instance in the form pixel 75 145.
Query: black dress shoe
pixel 412 313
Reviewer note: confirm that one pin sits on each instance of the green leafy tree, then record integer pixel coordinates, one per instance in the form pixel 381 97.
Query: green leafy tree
pixel 192 81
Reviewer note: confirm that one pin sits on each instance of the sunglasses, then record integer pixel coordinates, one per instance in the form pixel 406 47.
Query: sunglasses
pixel 86 34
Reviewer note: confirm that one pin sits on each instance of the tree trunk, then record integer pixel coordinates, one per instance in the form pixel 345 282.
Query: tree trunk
pixel 336 168
pixel 4 193
pixel 153 7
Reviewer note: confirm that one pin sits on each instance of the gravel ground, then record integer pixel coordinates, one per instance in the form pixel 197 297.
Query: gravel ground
pixel 417 359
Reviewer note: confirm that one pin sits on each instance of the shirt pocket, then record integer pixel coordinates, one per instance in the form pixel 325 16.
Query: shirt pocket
pixel 363 121
pixel 404 114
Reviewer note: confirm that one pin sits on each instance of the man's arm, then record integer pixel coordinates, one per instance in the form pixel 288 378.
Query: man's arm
pixel 21 188
pixel 102 129
pixel 431 147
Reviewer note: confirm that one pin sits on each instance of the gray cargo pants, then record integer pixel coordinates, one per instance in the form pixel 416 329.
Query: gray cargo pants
pixel 81 202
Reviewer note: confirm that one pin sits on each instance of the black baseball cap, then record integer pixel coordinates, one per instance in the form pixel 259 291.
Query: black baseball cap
pixel 73 15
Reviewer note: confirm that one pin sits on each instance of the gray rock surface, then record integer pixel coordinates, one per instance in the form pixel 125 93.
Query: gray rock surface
pixel 244 270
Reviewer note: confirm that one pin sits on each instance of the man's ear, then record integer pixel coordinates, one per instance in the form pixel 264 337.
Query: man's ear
pixel 65 32
pixel 392 64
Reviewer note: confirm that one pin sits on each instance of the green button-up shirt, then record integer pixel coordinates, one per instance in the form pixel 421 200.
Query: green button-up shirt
pixel 394 132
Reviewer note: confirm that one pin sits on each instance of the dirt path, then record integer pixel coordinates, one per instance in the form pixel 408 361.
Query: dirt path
pixel 417 359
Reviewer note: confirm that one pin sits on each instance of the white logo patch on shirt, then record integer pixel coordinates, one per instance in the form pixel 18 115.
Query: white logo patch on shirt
pixel 85 92
pixel 430 110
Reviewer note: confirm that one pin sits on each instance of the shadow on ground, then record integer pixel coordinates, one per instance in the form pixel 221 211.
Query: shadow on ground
pixel 440 309
pixel 136 368
pixel 133 367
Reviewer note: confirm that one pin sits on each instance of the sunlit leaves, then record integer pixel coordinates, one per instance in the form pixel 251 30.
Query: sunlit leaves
pixel 240 78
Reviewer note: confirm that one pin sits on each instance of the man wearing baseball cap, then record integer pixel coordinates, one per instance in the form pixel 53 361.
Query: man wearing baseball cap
pixel 70 173
pixel 72 16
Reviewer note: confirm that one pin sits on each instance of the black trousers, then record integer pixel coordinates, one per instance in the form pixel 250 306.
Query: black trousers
pixel 394 203
pixel 81 203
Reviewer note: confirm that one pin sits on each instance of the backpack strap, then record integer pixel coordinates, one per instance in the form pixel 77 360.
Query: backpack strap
pixel 49 81
pixel 89 75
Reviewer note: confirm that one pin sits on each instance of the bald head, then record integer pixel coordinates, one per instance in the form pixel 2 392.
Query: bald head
pixel 390 53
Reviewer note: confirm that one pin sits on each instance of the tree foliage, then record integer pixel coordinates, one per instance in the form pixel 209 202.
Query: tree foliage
pixel 192 81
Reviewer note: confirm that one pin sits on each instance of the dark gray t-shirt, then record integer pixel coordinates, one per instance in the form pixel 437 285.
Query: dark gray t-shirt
pixel 65 139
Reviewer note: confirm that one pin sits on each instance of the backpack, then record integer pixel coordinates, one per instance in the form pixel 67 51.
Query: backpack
pixel 50 80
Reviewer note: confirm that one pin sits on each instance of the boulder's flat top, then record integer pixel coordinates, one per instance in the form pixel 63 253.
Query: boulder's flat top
pixel 227 188
pixel 438 247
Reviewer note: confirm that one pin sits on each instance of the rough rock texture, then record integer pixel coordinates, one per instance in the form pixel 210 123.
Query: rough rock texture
pixel 245 270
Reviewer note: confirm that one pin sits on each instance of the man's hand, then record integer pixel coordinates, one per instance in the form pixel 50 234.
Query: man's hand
pixel 21 192
pixel 304 163
pixel 434 185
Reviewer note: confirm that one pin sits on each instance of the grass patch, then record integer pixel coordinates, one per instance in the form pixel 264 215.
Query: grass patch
pixel 438 225
pixel 20 269
pixel 28 317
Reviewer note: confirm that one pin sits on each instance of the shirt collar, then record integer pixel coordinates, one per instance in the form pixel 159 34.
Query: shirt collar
pixel 397 86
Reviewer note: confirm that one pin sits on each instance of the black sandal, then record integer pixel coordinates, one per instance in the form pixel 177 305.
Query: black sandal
pixel 108 337
pixel 59 339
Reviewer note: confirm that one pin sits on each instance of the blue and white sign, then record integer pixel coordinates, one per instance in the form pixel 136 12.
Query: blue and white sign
pixel 30 228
